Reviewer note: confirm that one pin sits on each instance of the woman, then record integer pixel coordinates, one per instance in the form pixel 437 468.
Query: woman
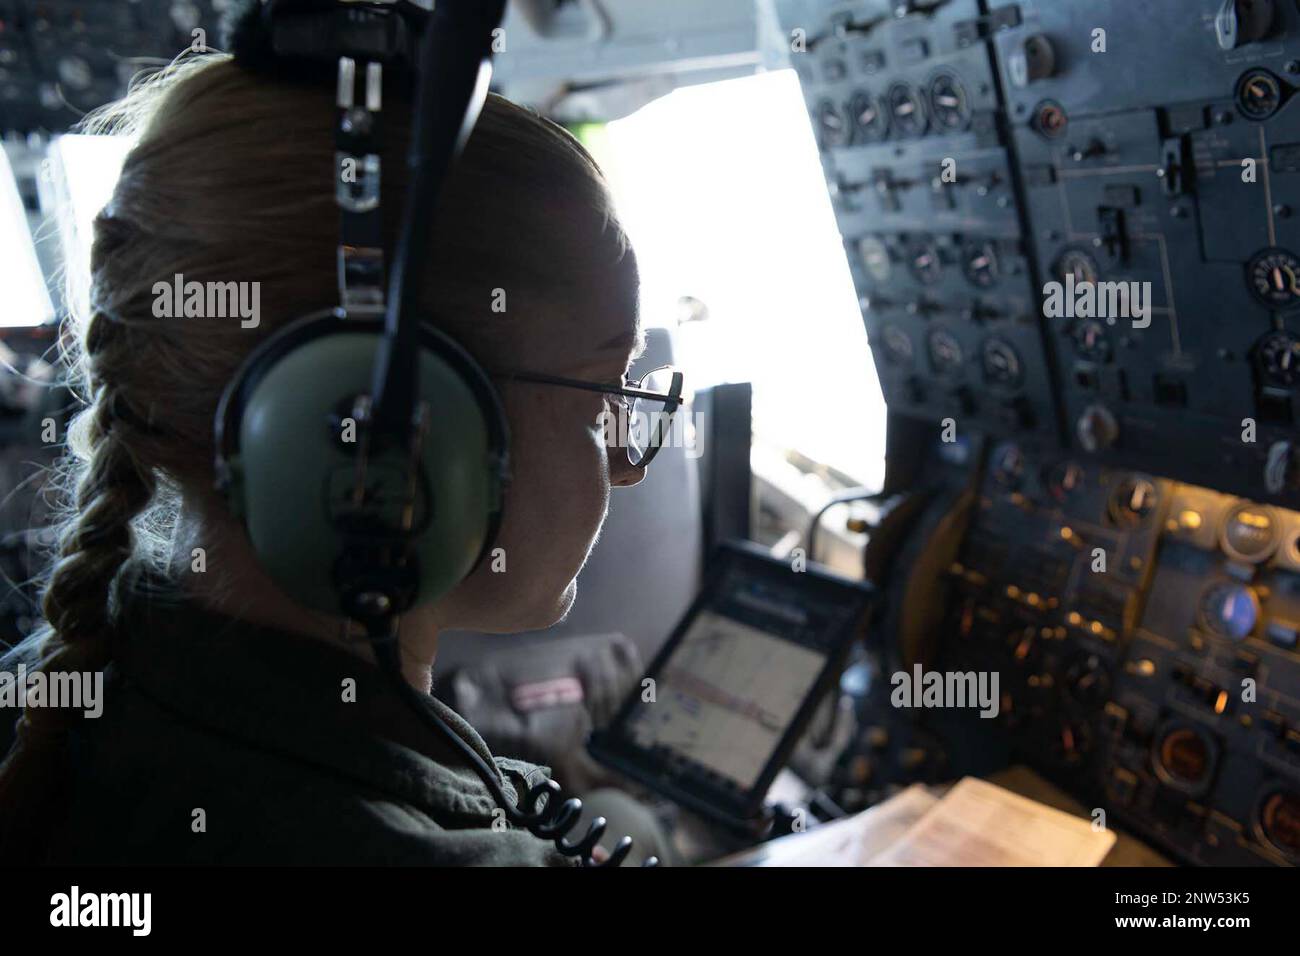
pixel 239 726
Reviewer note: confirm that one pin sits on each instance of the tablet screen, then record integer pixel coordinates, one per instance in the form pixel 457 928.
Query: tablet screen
pixel 729 693
pixel 726 696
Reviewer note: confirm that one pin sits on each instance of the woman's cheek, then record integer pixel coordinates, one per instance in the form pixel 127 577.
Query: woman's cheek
pixel 594 462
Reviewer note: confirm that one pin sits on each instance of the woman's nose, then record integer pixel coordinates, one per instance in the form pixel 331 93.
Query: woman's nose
pixel 622 473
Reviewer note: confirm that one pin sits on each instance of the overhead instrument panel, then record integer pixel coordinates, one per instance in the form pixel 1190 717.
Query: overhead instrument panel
pixel 908 118
pixel 1160 158
pixel 1114 262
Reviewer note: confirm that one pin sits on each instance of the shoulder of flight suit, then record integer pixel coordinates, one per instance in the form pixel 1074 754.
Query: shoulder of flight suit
pixel 224 742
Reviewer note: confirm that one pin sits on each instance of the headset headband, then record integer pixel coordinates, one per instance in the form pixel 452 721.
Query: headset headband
pixel 448 74
pixel 446 54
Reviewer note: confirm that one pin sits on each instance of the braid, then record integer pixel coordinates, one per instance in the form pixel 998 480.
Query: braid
pixel 113 488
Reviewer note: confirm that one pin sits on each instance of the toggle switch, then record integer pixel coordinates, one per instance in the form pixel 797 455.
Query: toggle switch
pixel 1243 21
pixel 1031 60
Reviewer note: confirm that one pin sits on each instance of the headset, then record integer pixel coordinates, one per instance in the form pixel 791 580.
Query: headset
pixel 364 451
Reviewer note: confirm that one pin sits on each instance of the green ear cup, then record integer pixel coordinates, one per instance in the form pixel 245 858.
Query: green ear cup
pixel 291 472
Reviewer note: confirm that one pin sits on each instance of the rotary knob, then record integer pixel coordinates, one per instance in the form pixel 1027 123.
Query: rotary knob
pixel 1097 428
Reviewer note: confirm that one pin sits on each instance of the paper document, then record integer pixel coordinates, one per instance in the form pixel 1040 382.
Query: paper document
pixel 851 841
pixel 979 824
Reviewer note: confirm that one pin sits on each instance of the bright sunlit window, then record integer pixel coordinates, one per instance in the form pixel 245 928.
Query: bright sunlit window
pixel 83 170
pixel 721 190
pixel 27 301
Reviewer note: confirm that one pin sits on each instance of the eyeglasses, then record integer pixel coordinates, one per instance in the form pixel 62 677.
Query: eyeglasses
pixel 645 408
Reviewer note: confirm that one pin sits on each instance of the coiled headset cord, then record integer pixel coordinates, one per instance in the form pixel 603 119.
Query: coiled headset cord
pixel 552 820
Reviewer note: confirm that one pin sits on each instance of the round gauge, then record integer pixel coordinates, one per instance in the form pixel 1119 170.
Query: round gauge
pixel 924 262
pixel 1184 758
pixel 1063 480
pixel 832 127
pixel 1279 821
pixel 898 345
pixel 945 352
pixel 1090 340
pixel 1274 276
pixel 870 121
pixel 1250 532
pixel 875 257
pixel 1008 467
pixel 1259 94
pixel 1001 363
pixel 1080 265
pixel 979 261
pixel 1278 355
pixel 949 103
pixel 1229 610
pixel 906 110
pixel 1133 501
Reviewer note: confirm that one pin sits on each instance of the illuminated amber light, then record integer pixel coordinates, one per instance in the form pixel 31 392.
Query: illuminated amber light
pixel 1221 704
pixel 1253 519
pixel 1190 519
